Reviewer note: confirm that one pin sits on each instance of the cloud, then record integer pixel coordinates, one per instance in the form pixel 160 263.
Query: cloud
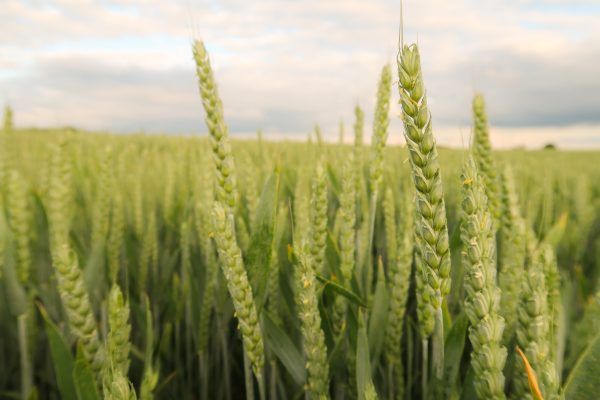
pixel 523 90
pixel 285 65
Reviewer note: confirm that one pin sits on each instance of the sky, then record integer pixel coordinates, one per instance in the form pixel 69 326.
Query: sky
pixel 285 65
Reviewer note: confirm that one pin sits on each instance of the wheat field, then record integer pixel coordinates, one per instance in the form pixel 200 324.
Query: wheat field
pixel 172 267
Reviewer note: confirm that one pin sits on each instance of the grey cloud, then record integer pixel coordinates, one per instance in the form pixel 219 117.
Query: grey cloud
pixel 522 89
pixel 90 94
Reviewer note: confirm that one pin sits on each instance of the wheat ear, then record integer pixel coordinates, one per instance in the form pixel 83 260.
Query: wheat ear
pixel 482 303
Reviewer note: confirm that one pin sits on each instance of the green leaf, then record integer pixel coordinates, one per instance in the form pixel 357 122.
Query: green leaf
pixel 286 289
pixel 94 273
pixel 457 271
pixel 378 315
pixel 332 254
pixel 337 356
pixel 61 357
pixel 352 325
pixel 83 377
pixel 363 363
pixel 334 181
pixel 283 347
pixel 556 231
pixel 447 319
pixel 454 347
pixel 15 292
pixel 341 290
pixel 261 244
pixel 148 353
pixel 468 388
pixel 326 324
pixel 582 383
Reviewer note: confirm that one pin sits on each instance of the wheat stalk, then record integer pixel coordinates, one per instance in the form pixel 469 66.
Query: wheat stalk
pixel 431 224
pixel 59 199
pixel 533 329
pixel 226 189
pixel 148 252
pixel 381 122
pixel 315 351
pixel 77 304
pixel 357 149
pixel 482 152
pixel 399 270
pixel 482 302
pixel 101 221
pixel 118 342
pixel 202 220
pixel 318 218
pixel 20 224
pixel 347 213
pixel 301 211
pixel 512 253
pixel 433 255
pixel 552 280
pixel 378 141
pixel 115 236
pixel 239 287
pixel 8 125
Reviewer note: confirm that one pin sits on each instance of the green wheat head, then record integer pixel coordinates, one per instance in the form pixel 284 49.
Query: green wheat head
pixel 433 255
pixel 482 303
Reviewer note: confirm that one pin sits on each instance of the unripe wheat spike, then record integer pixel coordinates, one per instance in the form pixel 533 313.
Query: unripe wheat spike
pixel 312 334
pixel 239 287
pixel 512 253
pixel 482 301
pixel 533 331
pixel 226 190
pixel 79 311
pixel 399 270
pixel 482 152
pixel 318 218
pixel 433 252
pixel 431 224
pixel 118 342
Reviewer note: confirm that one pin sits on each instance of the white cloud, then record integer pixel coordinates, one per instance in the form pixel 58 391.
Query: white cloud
pixel 286 65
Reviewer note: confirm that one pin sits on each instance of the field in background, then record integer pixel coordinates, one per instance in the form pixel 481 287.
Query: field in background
pixel 137 213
